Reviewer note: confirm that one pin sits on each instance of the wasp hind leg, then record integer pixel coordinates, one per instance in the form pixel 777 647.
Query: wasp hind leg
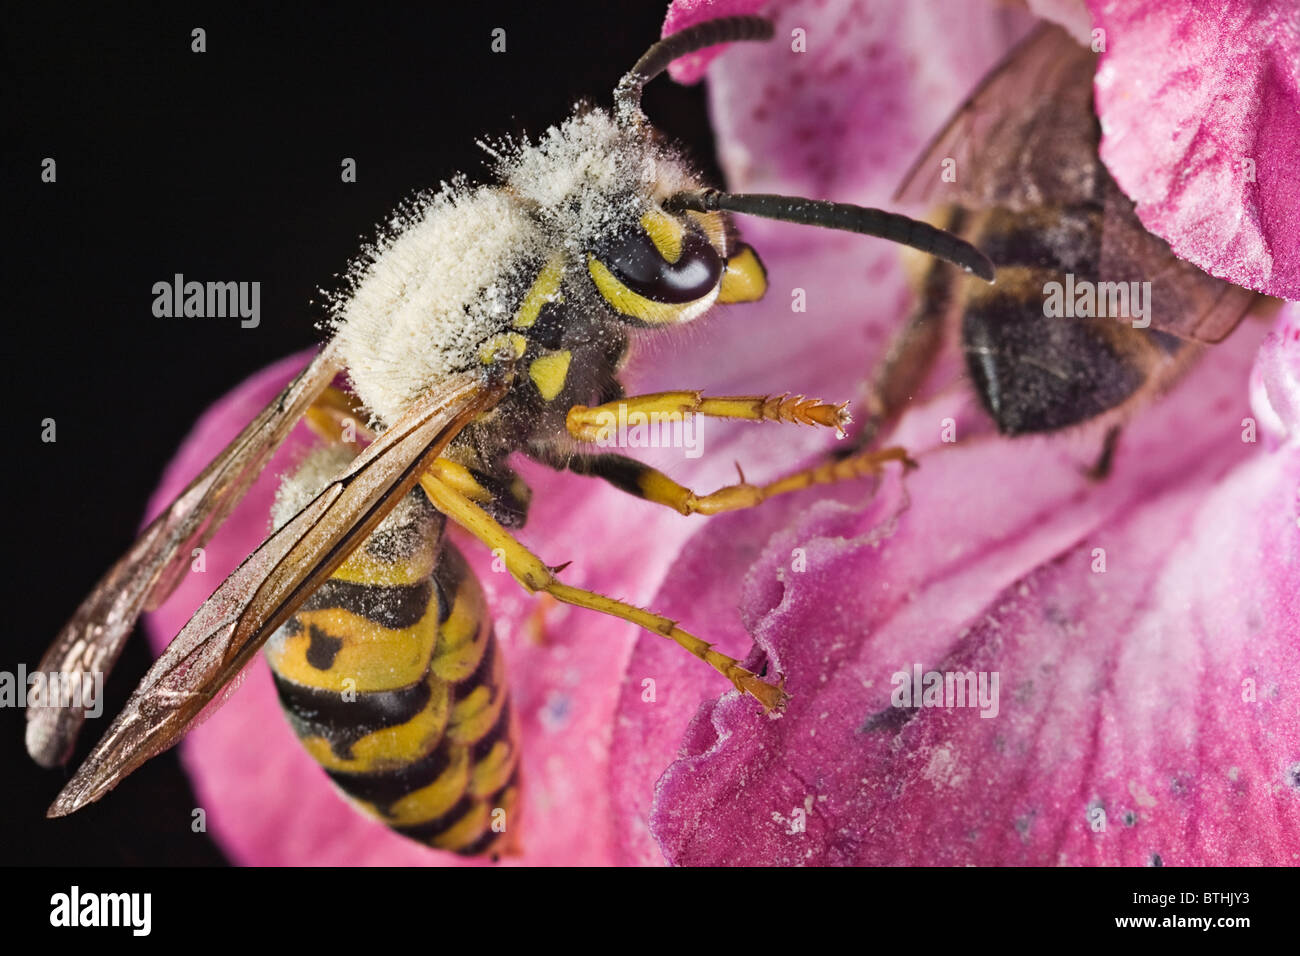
pixel 535 576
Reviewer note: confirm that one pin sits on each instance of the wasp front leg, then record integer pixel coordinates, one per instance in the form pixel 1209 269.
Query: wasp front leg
pixel 601 422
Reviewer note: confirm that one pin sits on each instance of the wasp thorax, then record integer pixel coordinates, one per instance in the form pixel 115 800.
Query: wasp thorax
pixel 588 176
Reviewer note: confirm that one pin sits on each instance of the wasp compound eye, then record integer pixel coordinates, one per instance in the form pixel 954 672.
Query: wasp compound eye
pixel 661 272
pixel 665 268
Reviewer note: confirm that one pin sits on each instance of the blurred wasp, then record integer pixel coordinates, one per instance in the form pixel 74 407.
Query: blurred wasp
pixel 1031 191
pixel 481 324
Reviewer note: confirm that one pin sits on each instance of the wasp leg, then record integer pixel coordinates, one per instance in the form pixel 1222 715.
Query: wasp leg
pixel 1100 469
pixel 911 352
pixel 537 632
pixel 645 482
pixel 535 576
pixel 337 417
pixel 497 490
pixel 600 422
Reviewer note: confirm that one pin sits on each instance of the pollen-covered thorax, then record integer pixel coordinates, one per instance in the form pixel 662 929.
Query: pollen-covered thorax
pixel 590 177
pixel 445 277
pixel 452 268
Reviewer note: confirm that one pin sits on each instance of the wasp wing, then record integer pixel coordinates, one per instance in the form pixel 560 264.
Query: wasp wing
pixel 146 575
pixel 1026 139
pixel 260 595
pixel 1026 136
pixel 1182 299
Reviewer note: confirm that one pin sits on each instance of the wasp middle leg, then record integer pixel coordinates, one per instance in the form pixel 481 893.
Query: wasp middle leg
pixel 643 481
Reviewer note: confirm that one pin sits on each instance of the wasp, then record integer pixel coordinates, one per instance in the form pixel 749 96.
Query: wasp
pixel 1091 315
pixel 489 319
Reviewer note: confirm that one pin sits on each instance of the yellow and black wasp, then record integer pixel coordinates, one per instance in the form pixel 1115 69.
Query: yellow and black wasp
pixel 491 319
pixel 1032 192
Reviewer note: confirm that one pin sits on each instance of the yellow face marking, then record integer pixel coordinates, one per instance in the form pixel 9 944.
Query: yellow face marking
pixel 548 373
pixel 665 232
pixel 502 348
pixel 744 279
pixel 714 226
pixel 546 288
pixel 630 303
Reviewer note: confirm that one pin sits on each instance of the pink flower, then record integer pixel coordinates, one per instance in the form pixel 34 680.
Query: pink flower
pixel 1159 695
pixel 1200 113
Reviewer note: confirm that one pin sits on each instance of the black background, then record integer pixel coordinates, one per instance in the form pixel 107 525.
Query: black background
pixel 223 165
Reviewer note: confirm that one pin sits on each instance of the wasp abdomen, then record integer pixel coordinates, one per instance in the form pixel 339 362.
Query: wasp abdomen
pixel 1035 370
pixel 391 677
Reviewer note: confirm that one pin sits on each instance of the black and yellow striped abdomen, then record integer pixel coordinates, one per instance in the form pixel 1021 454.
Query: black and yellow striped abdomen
pixel 391 676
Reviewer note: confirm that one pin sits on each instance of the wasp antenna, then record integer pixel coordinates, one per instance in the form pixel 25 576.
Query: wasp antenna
pixel 846 217
pixel 627 95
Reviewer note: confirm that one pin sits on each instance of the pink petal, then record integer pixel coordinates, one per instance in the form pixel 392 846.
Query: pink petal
pixel 1275 379
pixel 685 13
pixel 1200 113
pixel 1120 690
pixel 1071 14
pixel 846 118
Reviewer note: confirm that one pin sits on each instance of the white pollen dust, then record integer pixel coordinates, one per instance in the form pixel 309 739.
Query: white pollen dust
pixel 452 267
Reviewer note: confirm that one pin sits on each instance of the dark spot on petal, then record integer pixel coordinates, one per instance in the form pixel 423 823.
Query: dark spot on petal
pixel 1057 616
pixel 1293 776
pixel 1130 818
pixel 1024 823
pixel 1155 860
pixel 890 720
